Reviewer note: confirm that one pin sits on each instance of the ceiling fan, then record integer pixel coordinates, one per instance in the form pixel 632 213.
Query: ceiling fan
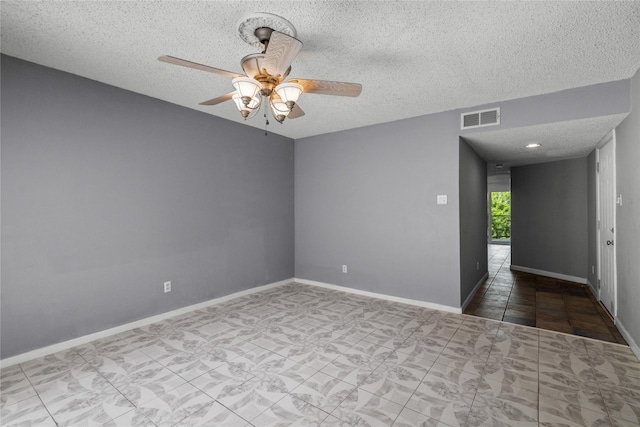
pixel 265 75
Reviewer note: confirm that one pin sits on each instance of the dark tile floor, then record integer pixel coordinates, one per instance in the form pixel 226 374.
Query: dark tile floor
pixel 543 302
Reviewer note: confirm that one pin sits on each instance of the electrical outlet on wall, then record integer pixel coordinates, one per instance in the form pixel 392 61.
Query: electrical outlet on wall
pixel 167 286
pixel 344 268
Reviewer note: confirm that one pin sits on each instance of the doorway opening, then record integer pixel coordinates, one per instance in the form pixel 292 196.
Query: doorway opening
pixel 500 217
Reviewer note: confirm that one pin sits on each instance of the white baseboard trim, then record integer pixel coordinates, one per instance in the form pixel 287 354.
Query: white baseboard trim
pixel 44 351
pixel 551 274
pixel 593 289
pixel 381 296
pixel 475 289
pixel 632 344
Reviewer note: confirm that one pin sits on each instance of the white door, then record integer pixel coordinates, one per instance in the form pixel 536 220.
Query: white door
pixel 607 214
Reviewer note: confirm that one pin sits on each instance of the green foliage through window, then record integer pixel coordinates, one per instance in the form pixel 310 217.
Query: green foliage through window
pixel 501 215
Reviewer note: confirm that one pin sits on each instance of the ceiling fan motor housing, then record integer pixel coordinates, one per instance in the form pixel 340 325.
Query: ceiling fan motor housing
pixel 253 66
pixel 264 35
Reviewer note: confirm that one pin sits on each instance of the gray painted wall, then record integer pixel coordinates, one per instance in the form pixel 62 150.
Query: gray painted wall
pixel 603 99
pixel 592 223
pixel 473 219
pixel 366 198
pixel 499 183
pixel 549 217
pixel 628 216
pixel 107 193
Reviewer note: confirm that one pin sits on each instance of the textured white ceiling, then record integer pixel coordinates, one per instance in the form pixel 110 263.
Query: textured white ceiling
pixel 412 58
pixel 558 141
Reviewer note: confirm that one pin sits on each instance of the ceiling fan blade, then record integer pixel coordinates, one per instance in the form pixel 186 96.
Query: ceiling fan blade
pixel 281 51
pixel 326 87
pixel 295 112
pixel 183 62
pixel 218 100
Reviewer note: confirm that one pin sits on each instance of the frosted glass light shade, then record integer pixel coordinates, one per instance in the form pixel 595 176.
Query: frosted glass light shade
pixel 250 107
pixel 279 108
pixel 247 88
pixel 289 93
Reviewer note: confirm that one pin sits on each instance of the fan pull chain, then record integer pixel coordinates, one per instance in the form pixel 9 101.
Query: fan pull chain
pixel 266 121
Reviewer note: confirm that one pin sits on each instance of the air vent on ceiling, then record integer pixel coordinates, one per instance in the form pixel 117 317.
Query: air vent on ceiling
pixel 476 119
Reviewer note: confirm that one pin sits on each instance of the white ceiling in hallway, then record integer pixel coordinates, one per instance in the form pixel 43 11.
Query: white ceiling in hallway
pixel 558 141
pixel 412 57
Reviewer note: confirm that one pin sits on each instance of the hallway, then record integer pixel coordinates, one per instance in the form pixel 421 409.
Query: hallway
pixel 538 301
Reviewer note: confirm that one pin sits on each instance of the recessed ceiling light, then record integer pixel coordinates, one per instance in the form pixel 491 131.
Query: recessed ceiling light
pixel 532 145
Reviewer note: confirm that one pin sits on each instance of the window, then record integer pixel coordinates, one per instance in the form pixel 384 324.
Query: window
pixel 500 216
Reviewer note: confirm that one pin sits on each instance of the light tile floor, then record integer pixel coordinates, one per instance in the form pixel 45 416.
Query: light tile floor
pixel 304 356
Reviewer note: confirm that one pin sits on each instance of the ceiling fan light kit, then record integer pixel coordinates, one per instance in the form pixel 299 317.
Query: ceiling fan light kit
pixel 289 93
pixel 250 108
pixel 246 88
pixel 279 110
pixel 266 72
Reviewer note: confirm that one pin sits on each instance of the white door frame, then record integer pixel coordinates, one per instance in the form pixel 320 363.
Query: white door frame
pixel 610 138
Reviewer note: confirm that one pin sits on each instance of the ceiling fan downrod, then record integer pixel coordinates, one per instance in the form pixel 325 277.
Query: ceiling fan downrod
pixel 264 35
